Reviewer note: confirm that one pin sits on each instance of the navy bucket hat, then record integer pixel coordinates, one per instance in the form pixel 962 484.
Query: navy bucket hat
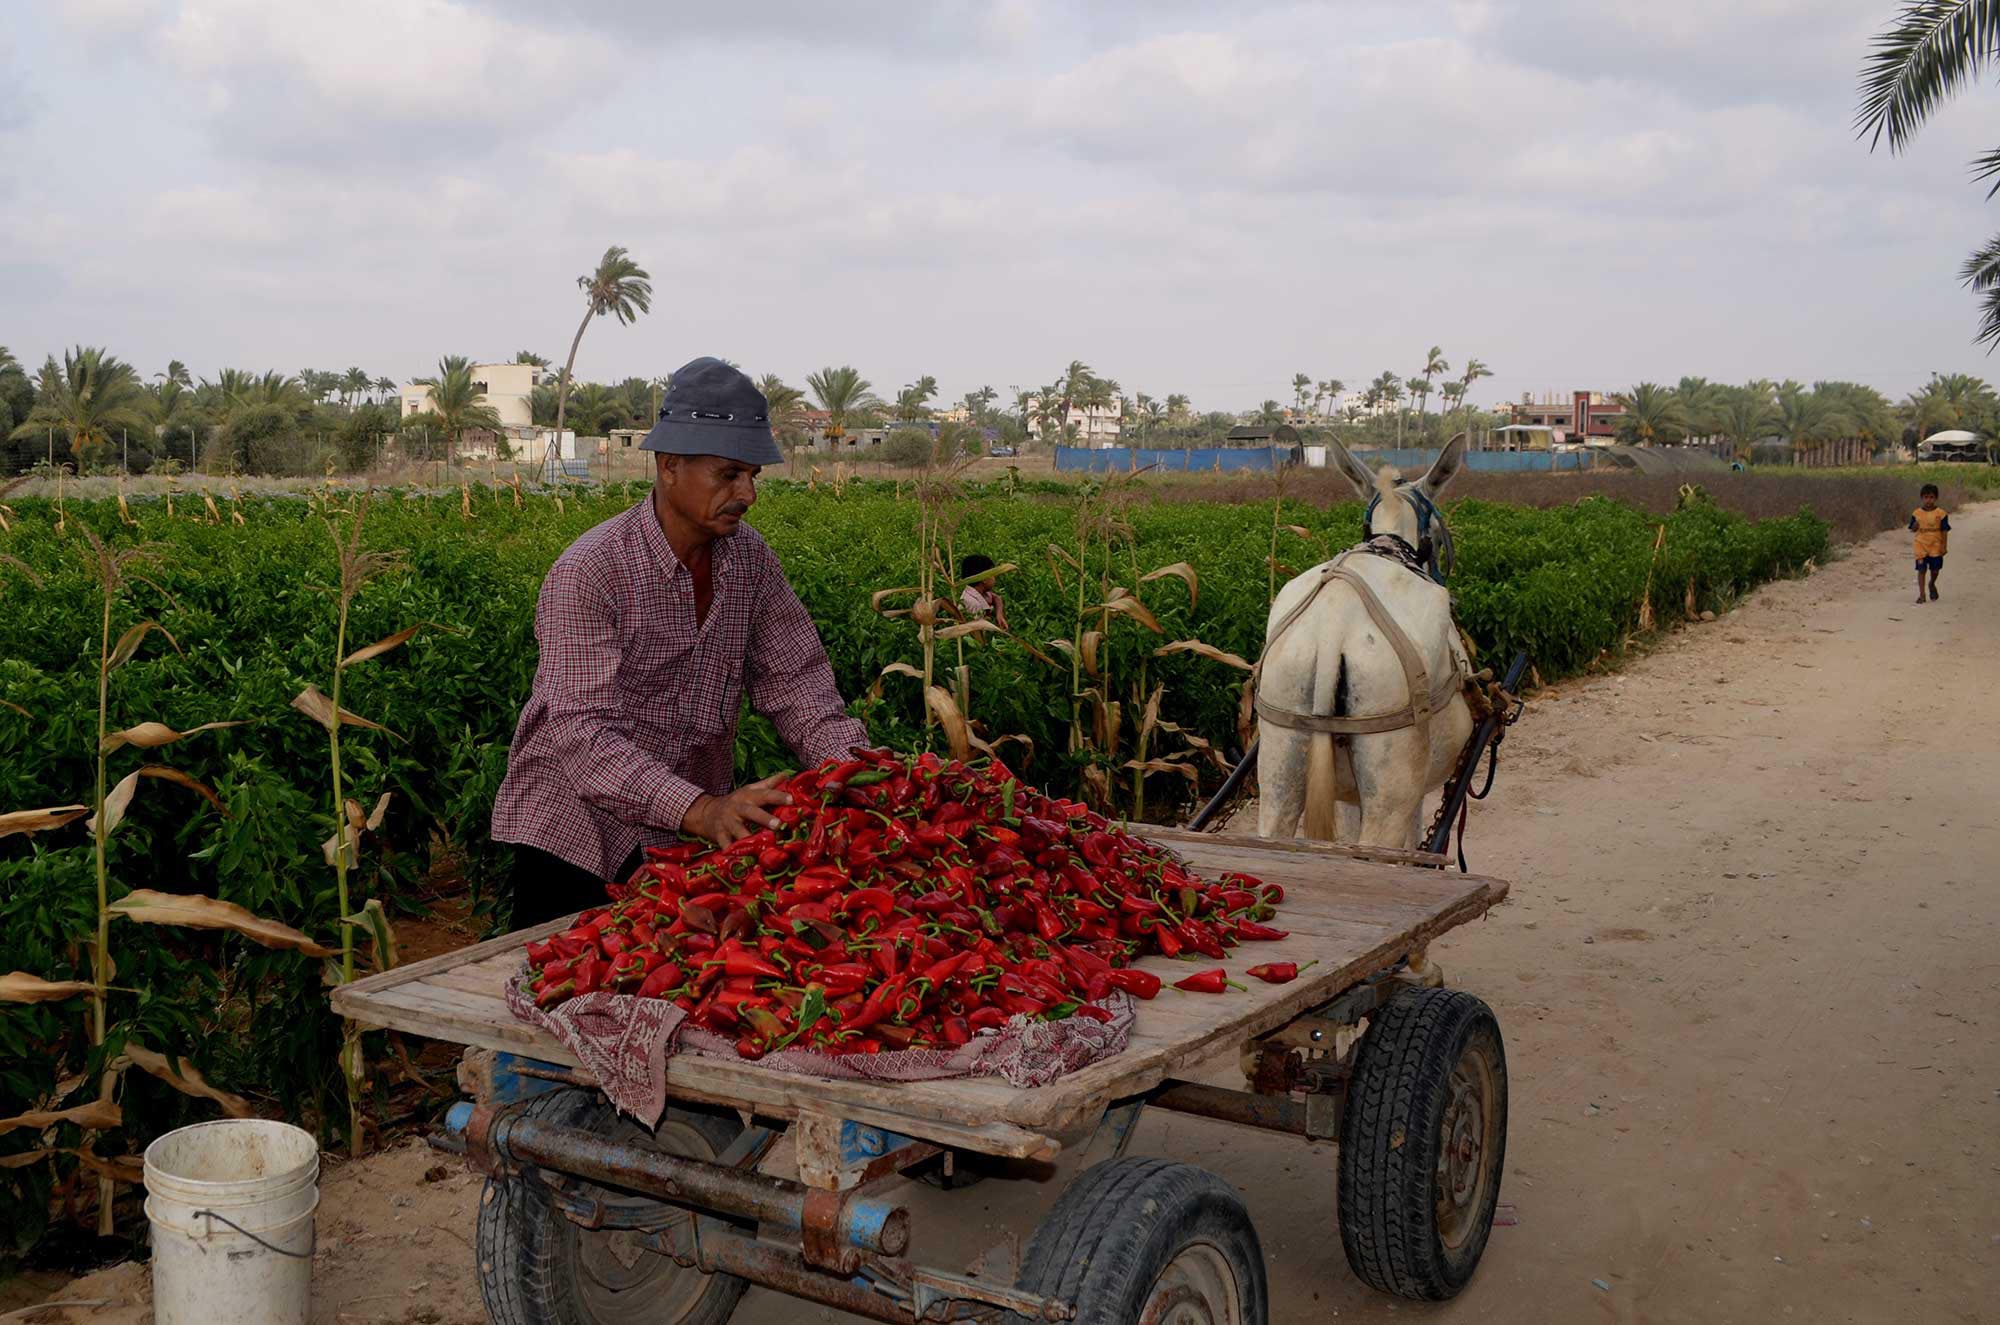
pixel 711 408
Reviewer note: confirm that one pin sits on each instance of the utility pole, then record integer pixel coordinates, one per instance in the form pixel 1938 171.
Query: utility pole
pixel 125 452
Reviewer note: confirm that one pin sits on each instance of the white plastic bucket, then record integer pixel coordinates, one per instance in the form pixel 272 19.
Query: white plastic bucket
pixel 231 1204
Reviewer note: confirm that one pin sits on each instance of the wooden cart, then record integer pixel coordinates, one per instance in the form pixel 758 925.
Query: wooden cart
pixel 588 1217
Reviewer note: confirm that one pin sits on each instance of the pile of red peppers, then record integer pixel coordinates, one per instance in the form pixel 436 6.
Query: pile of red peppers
pixel 901 902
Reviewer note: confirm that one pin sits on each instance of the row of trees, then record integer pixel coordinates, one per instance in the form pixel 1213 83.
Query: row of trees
pixel 1800 415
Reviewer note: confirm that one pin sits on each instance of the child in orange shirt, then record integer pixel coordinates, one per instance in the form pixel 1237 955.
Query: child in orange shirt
pixel 1931 525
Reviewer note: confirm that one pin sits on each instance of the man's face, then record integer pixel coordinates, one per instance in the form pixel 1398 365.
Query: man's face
pixel 708 491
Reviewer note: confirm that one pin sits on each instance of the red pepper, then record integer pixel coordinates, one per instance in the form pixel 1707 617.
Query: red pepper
pixel 660 980
pixel 1250 929
pixel 1279 973
pixel 1207 982
pixel 986 1018
pixel 739 963
pixel 1094 1012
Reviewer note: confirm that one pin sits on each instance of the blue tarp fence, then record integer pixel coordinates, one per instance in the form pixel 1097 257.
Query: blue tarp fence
pixel 1241 459
pixel 1212 459
pixel 1412 461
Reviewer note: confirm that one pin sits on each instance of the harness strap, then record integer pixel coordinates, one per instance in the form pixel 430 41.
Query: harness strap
pixel 1425 699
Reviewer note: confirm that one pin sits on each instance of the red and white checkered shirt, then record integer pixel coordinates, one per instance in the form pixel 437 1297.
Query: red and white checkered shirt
pixel 633 712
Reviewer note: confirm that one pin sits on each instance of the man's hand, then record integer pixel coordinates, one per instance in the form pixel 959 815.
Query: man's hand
pixel 723 819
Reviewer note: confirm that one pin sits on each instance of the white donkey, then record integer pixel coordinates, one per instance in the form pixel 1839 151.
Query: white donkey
pixel 1355 723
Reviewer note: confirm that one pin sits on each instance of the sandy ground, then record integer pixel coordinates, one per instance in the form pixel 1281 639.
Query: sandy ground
pixel 1747 977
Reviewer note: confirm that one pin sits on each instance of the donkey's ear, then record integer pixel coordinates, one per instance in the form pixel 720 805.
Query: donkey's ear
pixel 1356 472
pixel 1445 468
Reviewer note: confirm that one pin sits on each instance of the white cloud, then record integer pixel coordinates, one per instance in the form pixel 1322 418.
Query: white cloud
pixel 387 79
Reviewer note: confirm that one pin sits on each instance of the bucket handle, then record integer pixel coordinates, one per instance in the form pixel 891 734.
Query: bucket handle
pixel 305 1255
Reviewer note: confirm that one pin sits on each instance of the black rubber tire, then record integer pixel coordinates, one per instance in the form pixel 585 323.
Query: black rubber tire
pixel 531 1258
pixel 1116 1228
pixel 1391 1139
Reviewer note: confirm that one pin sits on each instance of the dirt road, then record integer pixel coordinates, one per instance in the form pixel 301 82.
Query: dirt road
pixel 1748 977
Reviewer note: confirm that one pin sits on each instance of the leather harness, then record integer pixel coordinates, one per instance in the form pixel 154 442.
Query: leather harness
pixel 1425 698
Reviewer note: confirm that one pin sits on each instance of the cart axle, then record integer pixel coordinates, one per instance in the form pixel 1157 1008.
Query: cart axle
pixel 497 1140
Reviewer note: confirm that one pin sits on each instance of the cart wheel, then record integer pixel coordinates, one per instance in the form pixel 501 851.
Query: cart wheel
pixel 1423 1143
pixel 537 1267
pixel 1151 1240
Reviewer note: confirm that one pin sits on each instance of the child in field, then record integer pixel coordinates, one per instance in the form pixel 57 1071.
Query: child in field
pixel 980 597
pixel 1931 525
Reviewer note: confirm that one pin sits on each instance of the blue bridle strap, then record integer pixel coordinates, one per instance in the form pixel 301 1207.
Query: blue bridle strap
pixel 1435 548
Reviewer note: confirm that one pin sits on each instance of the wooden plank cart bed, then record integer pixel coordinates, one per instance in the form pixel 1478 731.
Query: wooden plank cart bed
pixel 588 1217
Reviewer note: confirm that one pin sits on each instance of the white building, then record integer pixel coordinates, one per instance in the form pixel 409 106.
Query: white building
pixel 1092 425
pixel 508 388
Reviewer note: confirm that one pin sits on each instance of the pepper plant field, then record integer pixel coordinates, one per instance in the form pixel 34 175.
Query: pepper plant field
pixel 248 607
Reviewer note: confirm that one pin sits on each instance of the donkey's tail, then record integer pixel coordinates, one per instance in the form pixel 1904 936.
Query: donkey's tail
pixel 1320 816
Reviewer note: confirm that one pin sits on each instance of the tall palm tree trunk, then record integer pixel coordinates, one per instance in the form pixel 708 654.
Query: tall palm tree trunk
pixel 562 387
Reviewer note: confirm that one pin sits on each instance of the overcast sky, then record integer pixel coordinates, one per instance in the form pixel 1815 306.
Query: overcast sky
pixel 1193 198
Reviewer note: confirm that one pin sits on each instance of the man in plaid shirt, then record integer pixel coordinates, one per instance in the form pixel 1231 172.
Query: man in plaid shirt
pixel 653 627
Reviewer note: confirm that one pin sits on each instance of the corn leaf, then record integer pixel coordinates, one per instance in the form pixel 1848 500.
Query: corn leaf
pixel 149 907
pixel 388 642
pixel 1163 766
pixel 1182 571
pixel 897 668
pixel 40 821
pixel 374 921
pixel 10 704
pixel 120 798
pixel 979 626
pixel 128 643
pixel 1300 530
pixel 182 1076
pixel 880 596
pixel 1123 602
pixel 1092 641
pixel 152 735
pixel 20 987
pixel 956 732
pixel 99 1114
pixel 1151 718
pixel 119 1168
pixel 1208 651
pixel 22 1159
pixel 315 705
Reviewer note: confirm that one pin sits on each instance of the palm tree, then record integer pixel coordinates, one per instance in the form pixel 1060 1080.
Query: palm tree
pixel 447 365
pixel 1929 51
pixel 172 409
pixel 620 287
pixel 384 387
pixel 1177 407
pixel 456 407
pixel 783 402
pixel 1474 370
pixel 86 398
pixel 1743 416
pixel 1270 414
pixel 1330 389
pixel 1653 414
pixel 355 384
pixel 1805 416
pixel 1434 364
pixel 844 394
pixel 1301 386
pixel 911 400
pixel 176 372
pixel 1452 393
pixel 529 356
pixel 1050 413
pixel 1700 399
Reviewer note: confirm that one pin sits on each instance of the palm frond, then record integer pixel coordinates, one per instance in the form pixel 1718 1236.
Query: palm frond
pixel 1931 50
pixel 1981 272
